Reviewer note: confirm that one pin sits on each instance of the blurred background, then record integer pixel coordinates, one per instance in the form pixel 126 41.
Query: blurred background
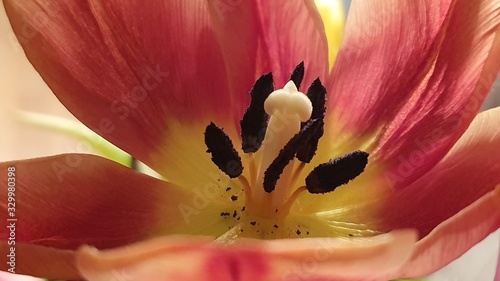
pixel 21 88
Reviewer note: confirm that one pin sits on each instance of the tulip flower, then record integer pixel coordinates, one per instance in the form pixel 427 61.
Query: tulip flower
pixel 274 166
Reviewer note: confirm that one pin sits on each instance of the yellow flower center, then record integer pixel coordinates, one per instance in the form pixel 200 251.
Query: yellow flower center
pixel 280 132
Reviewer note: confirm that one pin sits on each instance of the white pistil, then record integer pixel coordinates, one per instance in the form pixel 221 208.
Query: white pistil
pixel 288 108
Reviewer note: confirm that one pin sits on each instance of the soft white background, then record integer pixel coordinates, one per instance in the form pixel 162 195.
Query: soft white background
pixel 22 88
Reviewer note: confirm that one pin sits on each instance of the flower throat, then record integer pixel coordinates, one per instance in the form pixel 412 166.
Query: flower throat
pixel 277 127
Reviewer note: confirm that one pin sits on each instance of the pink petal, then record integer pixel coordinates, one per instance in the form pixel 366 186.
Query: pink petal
pixel 39 261
pixel 292 31
pixel 414 73
pixel 469 171
pixel 455 236
pixel 465 178
pixel 295 259
pixel 68 200
pixel 258 37
pixel 125 68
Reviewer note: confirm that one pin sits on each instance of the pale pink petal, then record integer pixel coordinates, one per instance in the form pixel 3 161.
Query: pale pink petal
pixel 296 259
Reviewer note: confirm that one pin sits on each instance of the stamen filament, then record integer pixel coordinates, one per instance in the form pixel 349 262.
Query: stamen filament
pixel 289 202
pixel 252 168
pixel 281 193
pixel 297 172
pixel 246 188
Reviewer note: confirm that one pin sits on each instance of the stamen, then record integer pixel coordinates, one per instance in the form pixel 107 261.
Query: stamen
pixel 252 168
pixel 286 154
pixel 298 75
pixel 223 153
pixel 286 124
pixel 297 173
pixel 328 176
pixel 254 121
pixel 317 94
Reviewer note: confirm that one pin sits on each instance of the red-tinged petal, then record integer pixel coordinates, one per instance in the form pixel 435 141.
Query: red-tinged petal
pixel 293 259
pixel 416 73
pixel 39 261
pixel 125 68
pixel 469 171
pixel 454 237
pixel 68 200
pixel 258 37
